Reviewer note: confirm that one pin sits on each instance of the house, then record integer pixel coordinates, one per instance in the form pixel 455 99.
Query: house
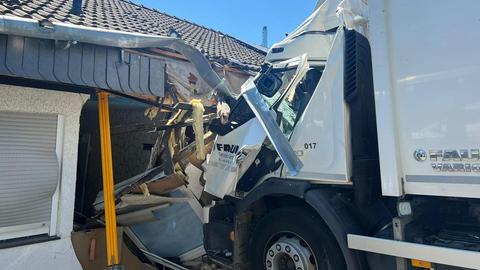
pixel 54 56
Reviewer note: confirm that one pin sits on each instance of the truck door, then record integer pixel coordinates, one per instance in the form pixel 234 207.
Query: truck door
pixel 316 121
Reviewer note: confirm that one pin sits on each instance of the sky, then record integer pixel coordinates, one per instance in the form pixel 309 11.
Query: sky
pixel 243 19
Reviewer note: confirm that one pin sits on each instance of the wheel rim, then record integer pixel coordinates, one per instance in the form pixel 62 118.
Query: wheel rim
pixel 290 252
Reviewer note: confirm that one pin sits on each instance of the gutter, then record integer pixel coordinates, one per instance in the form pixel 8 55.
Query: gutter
pixel 11 25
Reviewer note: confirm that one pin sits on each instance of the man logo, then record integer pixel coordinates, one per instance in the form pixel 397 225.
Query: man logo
pixel 420 155
pixel 450 160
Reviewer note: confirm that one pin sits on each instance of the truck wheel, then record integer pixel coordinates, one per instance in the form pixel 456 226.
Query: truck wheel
pixel 294 239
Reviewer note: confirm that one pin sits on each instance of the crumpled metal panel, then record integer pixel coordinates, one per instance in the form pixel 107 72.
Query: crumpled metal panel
pixel 225 166
pixel 81 64
pixel 277 138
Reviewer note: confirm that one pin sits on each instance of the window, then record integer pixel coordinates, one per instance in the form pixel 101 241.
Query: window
pixel 30 167
pixel 291 106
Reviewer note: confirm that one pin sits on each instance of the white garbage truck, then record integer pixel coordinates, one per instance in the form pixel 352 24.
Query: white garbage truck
pixel 357 145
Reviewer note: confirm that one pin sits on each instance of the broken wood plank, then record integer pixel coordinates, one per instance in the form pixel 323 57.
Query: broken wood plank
pixel 190 149
pixel 164 185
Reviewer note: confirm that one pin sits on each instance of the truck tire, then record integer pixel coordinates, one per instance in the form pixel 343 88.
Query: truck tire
pixel 293 239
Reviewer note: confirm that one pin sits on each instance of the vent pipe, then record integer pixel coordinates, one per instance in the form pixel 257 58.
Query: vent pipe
pixel 265 37
pixel 77 7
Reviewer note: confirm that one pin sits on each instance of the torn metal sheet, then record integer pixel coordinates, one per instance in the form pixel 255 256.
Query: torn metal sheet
pixel 324 18
pixel 231 156
pixel 354 15
pixel 186 81
pixel 277 138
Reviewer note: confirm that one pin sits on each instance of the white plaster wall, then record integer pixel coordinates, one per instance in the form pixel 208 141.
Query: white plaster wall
pixel 57 254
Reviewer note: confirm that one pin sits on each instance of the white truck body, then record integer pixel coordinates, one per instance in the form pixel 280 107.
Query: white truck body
pixel 426 74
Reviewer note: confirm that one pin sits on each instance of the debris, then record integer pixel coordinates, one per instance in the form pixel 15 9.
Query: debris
pixel 194 174
pixel 192 159
pixel 132 217
pixel 169 198
pixel 152 112
pixel 90 248
pixel 192 79
pixel 136 200
pixel 189 150
pixel 164 185
pixel 223 112
pixel 176 231
pixel 198 127
pixel 187 172
pixel 144 189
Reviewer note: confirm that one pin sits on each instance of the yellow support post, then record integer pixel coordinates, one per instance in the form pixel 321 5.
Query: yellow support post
pixel 107 173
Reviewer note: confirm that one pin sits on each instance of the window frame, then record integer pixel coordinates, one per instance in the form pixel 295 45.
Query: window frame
pixel 49 228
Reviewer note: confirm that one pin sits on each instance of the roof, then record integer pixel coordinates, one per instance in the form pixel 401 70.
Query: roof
pixel 124 15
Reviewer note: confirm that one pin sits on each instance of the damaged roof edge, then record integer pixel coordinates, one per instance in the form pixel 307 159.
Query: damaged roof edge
pixel 69 32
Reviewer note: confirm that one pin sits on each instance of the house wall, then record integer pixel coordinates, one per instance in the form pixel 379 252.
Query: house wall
pixel 57 254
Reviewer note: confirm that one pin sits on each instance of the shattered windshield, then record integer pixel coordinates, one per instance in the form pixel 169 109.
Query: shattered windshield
pixel 286 113
pixel 291 99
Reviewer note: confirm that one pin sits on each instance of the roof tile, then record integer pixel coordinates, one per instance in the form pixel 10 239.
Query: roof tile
pixel 127 16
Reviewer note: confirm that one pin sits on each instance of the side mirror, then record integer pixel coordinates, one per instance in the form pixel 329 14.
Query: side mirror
pixel 268 82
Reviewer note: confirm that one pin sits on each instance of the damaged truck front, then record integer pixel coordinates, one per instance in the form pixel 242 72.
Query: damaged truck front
pixel 165 207
pixel 245 141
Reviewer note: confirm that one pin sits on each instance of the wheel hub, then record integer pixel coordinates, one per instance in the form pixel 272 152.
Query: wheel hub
pixel 289 254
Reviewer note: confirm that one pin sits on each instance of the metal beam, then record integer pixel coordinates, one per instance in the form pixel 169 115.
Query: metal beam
pixel 267 120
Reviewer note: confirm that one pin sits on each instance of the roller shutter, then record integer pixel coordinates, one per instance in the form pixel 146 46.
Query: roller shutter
pixel 29 167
